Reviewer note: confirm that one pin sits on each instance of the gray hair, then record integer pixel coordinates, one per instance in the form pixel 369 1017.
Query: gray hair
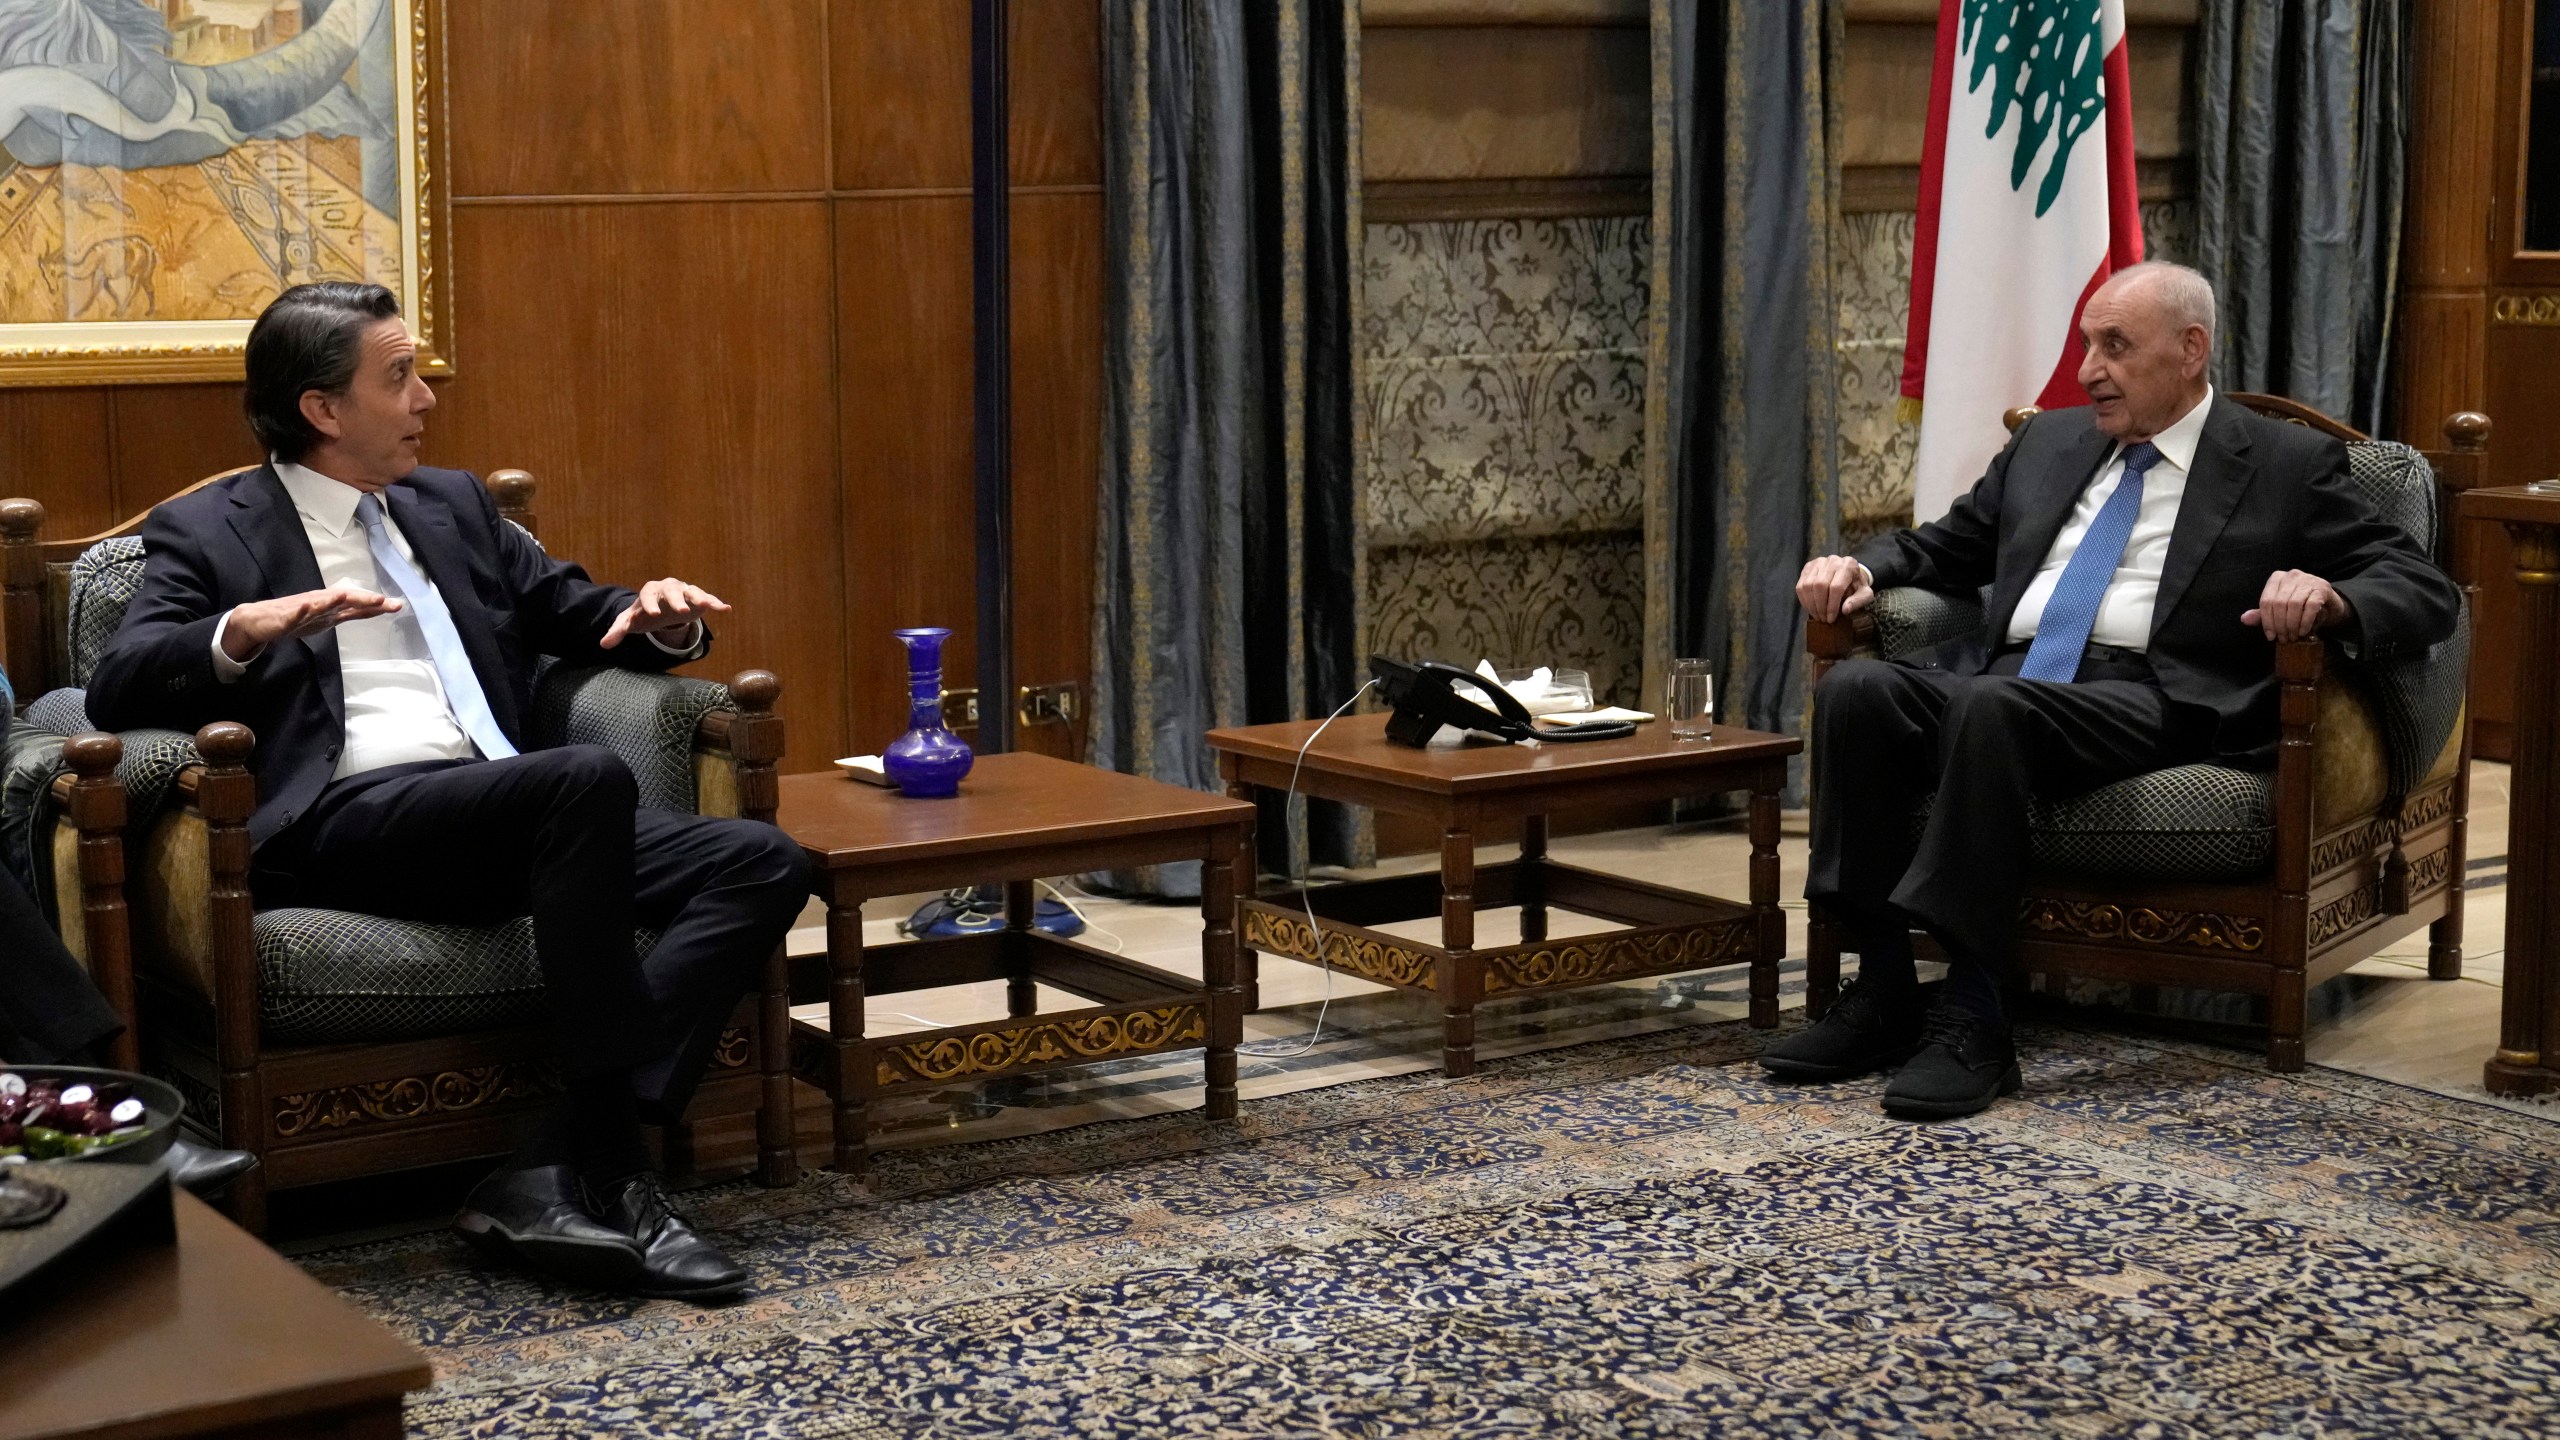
pixel 2181 290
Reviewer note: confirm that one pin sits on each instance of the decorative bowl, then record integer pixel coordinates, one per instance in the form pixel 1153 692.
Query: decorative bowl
pixel 161 1108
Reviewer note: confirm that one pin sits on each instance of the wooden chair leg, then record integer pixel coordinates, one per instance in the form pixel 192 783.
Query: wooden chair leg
pixel 2285 1006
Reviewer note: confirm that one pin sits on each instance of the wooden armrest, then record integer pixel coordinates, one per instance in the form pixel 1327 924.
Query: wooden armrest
pixel 1839 639
pixel 735 751
pixel 97 928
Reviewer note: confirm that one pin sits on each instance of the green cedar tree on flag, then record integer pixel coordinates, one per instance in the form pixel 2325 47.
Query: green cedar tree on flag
pixel 2027 203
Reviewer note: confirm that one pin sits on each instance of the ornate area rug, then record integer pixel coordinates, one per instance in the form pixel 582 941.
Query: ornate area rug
pixel 1641 1237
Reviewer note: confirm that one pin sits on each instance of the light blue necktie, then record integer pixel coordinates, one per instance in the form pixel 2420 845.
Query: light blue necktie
pixel 444 643
pixel 2071 612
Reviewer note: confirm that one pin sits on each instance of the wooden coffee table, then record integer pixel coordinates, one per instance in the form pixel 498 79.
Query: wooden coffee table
pixel 1017 818
pixel 213 1335
pixel 1461 788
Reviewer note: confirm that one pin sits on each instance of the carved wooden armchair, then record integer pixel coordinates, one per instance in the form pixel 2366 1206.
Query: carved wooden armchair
pixel 330 1044
pixel 2261 882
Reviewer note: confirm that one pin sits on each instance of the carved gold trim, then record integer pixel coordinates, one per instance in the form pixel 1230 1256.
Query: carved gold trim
pixel 1063 1041
pixel 2350 845
pixel 736 1046
pixel 1366 956
pixel 2427 807
pixel 2345 913
pixel 2143 925
pixel 2429 872
pixel 2539 309
pixel 1589 959
pixel 376 1102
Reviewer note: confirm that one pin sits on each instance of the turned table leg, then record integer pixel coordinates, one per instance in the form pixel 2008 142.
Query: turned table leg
pixel 1771 945
pixel 1462 972
pixel 1218 971
pixel 844 1022
pixel 1533 878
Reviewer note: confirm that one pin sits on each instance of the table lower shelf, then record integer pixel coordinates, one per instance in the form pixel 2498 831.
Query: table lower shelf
pixel 1142 1011
pixel 1670 931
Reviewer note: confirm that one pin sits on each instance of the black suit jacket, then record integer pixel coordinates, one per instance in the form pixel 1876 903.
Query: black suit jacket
pixel 240 541
pixel 2262 496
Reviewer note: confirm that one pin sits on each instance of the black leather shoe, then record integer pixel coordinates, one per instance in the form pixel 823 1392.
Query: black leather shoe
pixel 1870 1027
pixel 206 1171
pixel 539 1218
pixel 1965 1062
pixel 676 1262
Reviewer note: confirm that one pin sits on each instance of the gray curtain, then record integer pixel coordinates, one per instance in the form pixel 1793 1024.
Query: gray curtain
pixel 1223 591
pixel 2301 167
pixel 1744 380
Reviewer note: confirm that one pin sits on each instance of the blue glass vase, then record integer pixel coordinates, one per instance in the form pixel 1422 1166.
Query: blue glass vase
pixel 928 761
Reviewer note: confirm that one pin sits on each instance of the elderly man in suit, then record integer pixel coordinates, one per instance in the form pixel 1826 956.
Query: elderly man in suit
pixel 376 624
pixel 2142 554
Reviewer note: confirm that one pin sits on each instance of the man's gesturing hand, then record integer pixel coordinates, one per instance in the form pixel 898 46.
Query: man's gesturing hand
pixel 1832 586
pixel 664 605
pixel 2296 605
pixel 253 627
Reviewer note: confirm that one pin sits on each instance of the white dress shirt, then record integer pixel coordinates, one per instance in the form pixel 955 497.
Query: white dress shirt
pixel 2124 616
pixel 397 713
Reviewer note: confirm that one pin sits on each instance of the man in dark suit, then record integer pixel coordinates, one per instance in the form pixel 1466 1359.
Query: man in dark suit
pixel 375 624
pixel 2142 555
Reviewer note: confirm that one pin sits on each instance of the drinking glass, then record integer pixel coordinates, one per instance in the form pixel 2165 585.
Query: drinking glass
pixel 1693 700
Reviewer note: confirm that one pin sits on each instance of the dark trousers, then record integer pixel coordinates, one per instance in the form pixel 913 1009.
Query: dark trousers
pixel 559 834
pixel 50 1012
pixel 1885 736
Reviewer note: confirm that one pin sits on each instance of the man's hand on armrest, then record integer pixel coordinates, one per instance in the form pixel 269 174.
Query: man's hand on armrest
pixel 1834 585
pixel 2295 605
pixel 247 630
pixel 670 612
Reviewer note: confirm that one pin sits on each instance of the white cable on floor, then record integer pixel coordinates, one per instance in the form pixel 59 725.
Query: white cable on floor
pixel 1315 932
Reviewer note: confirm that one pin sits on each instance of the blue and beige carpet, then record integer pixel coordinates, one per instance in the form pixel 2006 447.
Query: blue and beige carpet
pixel 1640 1237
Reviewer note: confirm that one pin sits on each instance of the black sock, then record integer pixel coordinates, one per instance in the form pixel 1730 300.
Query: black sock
pixel 1884 958
pixel 1973 987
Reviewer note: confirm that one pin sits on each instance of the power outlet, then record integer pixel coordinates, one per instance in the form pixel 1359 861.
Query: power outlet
pixel 1047 705
pixel 960 709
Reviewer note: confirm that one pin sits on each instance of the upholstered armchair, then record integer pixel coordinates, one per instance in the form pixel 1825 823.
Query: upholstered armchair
pixel 2264 882
pixel 330 1044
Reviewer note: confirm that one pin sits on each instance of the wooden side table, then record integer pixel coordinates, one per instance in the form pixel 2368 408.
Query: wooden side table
pixel 2528 1058
pixel 1461 788
pixel 215 1335
pixel 1018 817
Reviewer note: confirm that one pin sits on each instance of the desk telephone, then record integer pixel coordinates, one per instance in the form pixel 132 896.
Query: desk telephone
pixel 1425 697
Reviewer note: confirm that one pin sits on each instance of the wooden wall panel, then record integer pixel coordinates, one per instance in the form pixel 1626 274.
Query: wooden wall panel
pixel 55 448
pixel 1505 102
pixel 564 97
pixel 676 428
pixel 1055 48
pixel 1057 454
pixel 909 508
pixel 901 94
pixel 169 437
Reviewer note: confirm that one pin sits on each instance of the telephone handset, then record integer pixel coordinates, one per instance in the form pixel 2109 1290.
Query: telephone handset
pixel 1425 698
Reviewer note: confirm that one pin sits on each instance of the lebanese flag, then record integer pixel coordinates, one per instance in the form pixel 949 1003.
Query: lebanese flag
pixel 2027 203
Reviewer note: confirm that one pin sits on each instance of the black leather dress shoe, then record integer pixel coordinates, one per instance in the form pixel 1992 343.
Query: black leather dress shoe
pixel 1870 1027
pixel 1965 1062
pixel 206 1171
pixel 539 1218
pixel 676 1262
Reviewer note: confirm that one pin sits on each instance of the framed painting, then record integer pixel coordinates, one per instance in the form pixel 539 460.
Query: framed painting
pixel 167 167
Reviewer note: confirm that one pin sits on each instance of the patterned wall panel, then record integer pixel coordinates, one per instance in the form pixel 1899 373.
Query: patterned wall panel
pixel 1505 409
pixel 1872 275
pixel 1575 602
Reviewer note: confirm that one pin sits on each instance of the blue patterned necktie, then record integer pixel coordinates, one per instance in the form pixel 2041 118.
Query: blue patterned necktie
pixel 444 643
pixel 2071 611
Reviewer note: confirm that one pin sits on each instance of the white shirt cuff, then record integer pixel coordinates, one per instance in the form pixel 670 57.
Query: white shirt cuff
pixel 692 640
pixel 226 669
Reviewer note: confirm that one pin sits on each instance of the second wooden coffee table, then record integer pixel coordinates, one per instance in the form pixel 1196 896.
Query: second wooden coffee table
pixel 1016 819
pixel 1463 787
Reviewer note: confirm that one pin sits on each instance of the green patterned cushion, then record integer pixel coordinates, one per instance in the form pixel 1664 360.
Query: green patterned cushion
pixel 329 977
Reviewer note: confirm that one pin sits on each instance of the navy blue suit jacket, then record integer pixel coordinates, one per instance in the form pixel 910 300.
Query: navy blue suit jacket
pixel 240 540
